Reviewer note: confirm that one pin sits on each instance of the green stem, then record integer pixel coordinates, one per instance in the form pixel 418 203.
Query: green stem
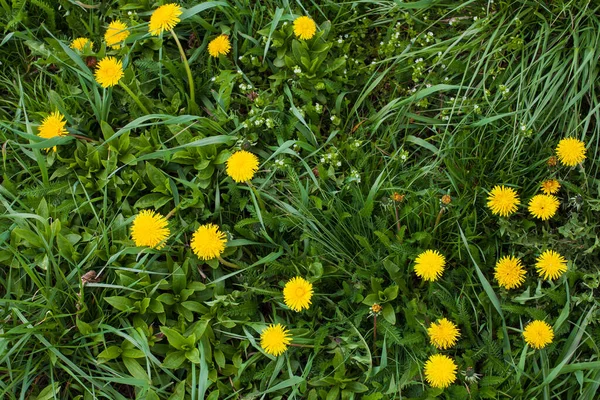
pixel 227 263
pixel 187 69
pixel 134 97
pixel 310 346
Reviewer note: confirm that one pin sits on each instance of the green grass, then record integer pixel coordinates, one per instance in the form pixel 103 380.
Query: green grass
pixel 422 98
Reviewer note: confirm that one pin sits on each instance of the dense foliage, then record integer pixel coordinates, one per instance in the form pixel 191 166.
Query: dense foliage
pixel 378 138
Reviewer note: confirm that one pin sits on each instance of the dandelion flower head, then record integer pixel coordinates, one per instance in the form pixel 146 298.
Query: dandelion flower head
pixel 538 334
pixel 543 206
pixel 297 293
pixel 509 272
pixel 550 186
pixel 149 229
pixel 80 43
pixel 503 201
pixel 443 333
pixel 164 18
pixel 109 72
pixel 429 265
pixel 440 371
pixel 304 27
pixel 242 165
pixel 551 265
pixel 570 151
pixel 115 34
pixel 275 339
pixel 53 125
pixel 208 242
pixel 219 45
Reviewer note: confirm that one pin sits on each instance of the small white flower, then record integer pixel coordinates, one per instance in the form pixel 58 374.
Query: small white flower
pixel 322 160
pixel 239 71
pixel 444 66
pixel 429 33
pixel 297 70
pixel 381 43
pixel 214 78
pixel 340 40
pixel 249 86
pixel 346 36
pixel 285 23
pixel 129 13
pixel 346 56
pixel 339 164
pixel 475 18
pixel 446 79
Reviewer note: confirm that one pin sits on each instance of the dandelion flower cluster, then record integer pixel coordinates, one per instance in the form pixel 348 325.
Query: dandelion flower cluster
pixel 52 126
pixel 297 293
pixel 164 18
pixel 503 201
pixel 80 43
pixel 208 242
pixel 304 27
pixel 550 186
pixel 551 265
pixel 219 45
pixel 242 165
pixel 109 72
pixel 570 151
pixel 440 371
pixel 115 34
pixel 538 334
pixel 543 206
pixel 443 334
pixel 275 339
pixel 509 272
pixel 149 229
pixel 429 265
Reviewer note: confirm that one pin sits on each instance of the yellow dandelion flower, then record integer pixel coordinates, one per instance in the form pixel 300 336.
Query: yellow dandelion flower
pixel 571 151
pixel 219 45
pixel 274 339
pixel 242 165
pixel 543 206
pixel 164 18
pixel 509 272
pixel 116 33
pixel 551 265
pixel 550 186
pixel 53 125
pixel 376 308
pixel 109 72
pixel 208 242
pixel 443 334
pixel 80 43
pixel 440 371
pixel 304 27
pixel 429 265
pixel 297 293
pixel 503 201
pixel 538 334
pixel 150 229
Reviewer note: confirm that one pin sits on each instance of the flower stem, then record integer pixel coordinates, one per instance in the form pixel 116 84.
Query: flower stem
pixel 302 345
pixel 187 70
pixel 134 97
pixel 227 263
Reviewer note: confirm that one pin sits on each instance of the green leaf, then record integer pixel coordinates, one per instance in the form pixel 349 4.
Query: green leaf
pixel 177 340
pixel 388 313
pixel 120 303
pixel 193 355
pixel 29 236
pixel 111 353
pixel 174 359
pixel 49 392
